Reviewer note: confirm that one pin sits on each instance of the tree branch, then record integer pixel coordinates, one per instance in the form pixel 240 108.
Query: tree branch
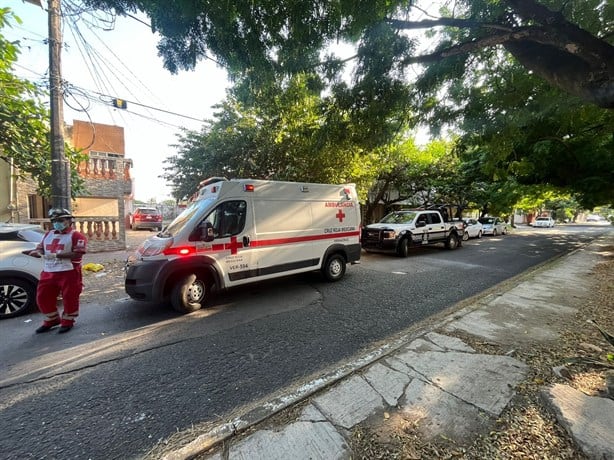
pixel 446 22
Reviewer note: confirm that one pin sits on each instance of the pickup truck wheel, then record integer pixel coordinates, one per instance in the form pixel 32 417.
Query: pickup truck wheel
pixel 465 236
pixel 453 241
pixel 334 268
pixel 189 293
pixel 403 249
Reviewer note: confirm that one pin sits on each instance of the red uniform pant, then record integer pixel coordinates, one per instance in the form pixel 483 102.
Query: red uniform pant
pixel 50 285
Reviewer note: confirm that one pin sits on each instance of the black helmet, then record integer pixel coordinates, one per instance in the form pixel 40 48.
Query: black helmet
pixel 59 213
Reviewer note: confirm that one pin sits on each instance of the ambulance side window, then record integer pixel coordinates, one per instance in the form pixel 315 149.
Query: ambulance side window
pixel 227 219
pixel 232 218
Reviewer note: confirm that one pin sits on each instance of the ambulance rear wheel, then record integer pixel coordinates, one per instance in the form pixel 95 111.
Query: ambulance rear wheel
pixel 334 267
pixel 189 293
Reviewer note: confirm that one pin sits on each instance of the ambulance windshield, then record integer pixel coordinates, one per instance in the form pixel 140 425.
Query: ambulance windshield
pixel 185 217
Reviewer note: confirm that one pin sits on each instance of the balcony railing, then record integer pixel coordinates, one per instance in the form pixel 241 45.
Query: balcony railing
pixel 104 233
pixel 102 165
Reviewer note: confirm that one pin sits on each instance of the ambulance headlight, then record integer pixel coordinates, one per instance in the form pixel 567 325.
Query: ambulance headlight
pixel 150 248
pixel 390 234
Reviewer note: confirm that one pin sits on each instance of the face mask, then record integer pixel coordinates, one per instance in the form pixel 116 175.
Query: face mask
pixel 59 226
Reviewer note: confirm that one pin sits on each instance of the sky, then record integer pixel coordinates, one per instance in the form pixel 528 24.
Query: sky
pixel 122 62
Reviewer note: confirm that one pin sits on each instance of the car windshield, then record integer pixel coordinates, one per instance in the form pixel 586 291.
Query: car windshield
pixel 33 235
pixel 147 211
pixel 543 218
pixel 487 220
pixel 186 216
pixel 400 217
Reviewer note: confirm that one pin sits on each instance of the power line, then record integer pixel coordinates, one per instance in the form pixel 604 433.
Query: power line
pixel 165 111
pixel 140 105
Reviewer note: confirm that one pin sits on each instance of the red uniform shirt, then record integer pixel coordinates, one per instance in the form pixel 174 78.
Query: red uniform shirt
pixel 56 242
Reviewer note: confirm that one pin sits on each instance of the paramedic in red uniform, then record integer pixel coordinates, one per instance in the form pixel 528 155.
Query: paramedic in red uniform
pixel 62 249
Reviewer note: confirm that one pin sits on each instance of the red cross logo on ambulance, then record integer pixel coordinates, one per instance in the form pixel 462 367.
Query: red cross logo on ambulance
pixel 233 245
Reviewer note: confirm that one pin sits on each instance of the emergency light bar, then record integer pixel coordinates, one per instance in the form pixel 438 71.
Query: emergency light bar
pixel 248 187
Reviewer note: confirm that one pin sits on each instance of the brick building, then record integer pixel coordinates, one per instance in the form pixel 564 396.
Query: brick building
pixel 101 211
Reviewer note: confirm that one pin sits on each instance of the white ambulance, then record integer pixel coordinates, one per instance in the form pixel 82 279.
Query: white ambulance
pixel 240 231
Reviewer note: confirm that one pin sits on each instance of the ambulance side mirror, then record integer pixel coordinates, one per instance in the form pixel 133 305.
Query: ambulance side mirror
pixel 207 233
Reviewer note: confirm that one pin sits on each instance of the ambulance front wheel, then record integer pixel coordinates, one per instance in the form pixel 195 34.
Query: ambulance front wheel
pixel 334 267
pixel 189 293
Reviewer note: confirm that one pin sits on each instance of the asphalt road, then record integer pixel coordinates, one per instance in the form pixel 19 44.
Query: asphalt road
pixel 131 374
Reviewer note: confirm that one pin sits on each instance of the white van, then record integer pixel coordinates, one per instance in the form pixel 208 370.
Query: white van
pixel 240 231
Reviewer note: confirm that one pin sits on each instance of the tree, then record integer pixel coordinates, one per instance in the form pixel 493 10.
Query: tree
pixel 416 176
pixel 288 133
pixel 567 43
pixel 524 130
pixel 485 50
pixel 24 128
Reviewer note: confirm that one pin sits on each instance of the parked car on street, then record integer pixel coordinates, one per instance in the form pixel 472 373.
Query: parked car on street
pixel 399 231
pixel 493 226
pixel 544 222
pixel 146 217
pixel 19 273
pixel 473 229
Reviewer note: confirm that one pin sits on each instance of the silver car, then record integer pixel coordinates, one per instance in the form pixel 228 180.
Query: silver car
pixel 473 229
pixel 19 273
pixel 493 226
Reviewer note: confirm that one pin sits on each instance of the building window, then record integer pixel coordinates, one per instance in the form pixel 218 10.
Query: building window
pixel 38 207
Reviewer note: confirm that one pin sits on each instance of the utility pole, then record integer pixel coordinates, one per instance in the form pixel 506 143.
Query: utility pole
pixel 60 168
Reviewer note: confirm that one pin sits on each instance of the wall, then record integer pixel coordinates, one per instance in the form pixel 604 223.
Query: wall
pixel 17 211
pixel 88 136
pixel 95 207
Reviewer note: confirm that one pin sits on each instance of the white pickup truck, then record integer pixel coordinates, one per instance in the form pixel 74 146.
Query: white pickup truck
pixel 400 230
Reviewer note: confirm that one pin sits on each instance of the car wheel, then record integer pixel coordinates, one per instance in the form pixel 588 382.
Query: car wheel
pixel 17 296
pixel 494 232
pixel 189 293
pixel 334 267
pixel 453 241
pixel 465 236
pixel 403 249
pixel 480 234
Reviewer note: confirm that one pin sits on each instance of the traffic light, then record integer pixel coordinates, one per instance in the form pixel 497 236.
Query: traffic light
pixel 120 103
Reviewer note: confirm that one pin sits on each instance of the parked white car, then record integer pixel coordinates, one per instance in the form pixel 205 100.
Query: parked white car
pixel 19 273
pixel 544 222
pixel 493 226
pixel 473 229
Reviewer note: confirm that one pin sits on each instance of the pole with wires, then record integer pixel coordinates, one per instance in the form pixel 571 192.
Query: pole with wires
pixel 60 168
